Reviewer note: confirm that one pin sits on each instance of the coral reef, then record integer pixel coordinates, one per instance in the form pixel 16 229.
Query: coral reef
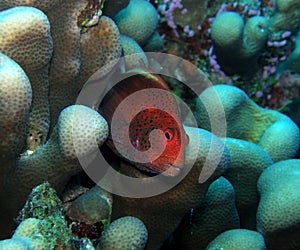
pixel 30 44
pixel 216 214
pixel 32 49
pixel 42 222
pixel 134 54
pixel 248 161
pixel 241 190
pixel 238 45
pixel 238 239
pixel 124 233
pixel 55 161
pixel 137 21
pixel 247 121
pixel 286 16
pixel 278 213
pixel 174 204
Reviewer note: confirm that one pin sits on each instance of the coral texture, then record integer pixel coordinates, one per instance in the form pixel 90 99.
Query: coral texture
pixel 124 233
pixel 248 161
pixel 28 42
pixel 247 121
pixel 56 59
pixel 278 215
pixel 238 45
pixel 238 239
pixel 216 214
pixel 138 20
pixel 174 204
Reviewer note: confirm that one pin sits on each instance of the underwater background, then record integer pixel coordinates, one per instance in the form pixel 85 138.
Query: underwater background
pixel 193 106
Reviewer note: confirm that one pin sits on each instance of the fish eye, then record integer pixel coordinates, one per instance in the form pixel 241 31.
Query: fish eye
pixel 169 134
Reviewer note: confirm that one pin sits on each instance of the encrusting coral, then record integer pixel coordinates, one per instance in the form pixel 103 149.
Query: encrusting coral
pixel 42 224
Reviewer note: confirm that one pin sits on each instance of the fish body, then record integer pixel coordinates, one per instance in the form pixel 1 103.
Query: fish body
pixel 137 107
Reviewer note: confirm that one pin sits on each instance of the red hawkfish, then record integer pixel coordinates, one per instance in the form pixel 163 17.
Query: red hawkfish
pixel 135 108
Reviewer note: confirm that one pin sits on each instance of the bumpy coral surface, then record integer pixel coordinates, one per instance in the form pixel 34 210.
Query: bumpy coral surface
pixel 238 239
pixel 124 233
pixel 138 20
pixel 135 56
pixel 50 49
pixel 78 131
pixel 174 204
pixel 216 214
pixel 248 161
pixel 15 96
pixel 278 215
pixel 238 45
pixel 27 40
pixel 247 121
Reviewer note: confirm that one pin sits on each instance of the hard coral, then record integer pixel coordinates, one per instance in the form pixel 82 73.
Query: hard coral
pixel 278 214
pixel 216 214
pixel 15 96
pixel 124 233
pixel 66 58
pixel 248 161
pixel 138 20
pixel 56 161
pixel 238 45
pixel 135 55
pixel 238 239
pixel 92 207
pixel 171 206
pixel 42 224
pixel 27 41
pixel 247 121
pixel 286 16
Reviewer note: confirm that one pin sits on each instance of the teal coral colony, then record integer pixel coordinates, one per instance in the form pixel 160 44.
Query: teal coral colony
pixel 219 131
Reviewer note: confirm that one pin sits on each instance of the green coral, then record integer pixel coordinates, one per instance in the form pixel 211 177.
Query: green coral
pixel 92 207
pixel 238 239
pixel 286 16
pixel 248 161
pixel 138 20
pixel 247 121
pixel 215 215
pixel 134 54
pixel 124 233
pixel 238 44
pixel 278 214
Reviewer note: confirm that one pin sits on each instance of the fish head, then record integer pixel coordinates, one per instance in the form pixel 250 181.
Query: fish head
pixel 172 136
